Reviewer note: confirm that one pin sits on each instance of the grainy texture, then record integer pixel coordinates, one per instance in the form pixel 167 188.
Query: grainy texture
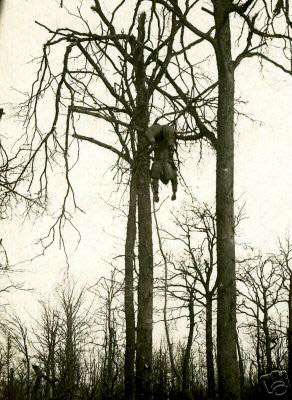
pixel 228 373
pixel 145 247
pixel 129 295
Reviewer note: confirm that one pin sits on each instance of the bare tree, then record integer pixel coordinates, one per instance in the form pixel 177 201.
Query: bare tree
pixel 61 339
pixel 108 291
pixel 17 332
pixel 196 231
pixel 261 293
pixel 9 354
pixel 130 89
pixel 262 26
pixel 73 328
pixel 283 259
pixel 47 339
pixel 141 70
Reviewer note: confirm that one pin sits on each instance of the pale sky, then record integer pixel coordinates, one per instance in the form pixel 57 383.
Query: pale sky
pixel 263 178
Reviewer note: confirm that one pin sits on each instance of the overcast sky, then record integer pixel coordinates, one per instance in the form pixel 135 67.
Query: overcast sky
pixel 263 162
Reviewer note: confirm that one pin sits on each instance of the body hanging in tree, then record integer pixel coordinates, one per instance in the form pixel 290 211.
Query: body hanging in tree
pixel 162 141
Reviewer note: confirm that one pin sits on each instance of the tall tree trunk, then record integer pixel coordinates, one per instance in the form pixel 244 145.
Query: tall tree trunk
pixel 110 359
pixel 145 246
pixel 187 352
pixel 129 295
pixel 10 385
pixel 258 348
pixel 211 390
pixel 228 373
pixel 289 332
pixel 267 342
pixel 70 361
pixel 27 373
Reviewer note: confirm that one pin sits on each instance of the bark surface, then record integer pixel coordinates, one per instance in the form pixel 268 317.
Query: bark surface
pixel 228 372
pixel 145 246
pixel 211 390
pixel 129 295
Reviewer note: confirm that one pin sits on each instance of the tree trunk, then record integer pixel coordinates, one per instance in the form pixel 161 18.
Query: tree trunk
pixel 258 348
pixel 289 332
pixel 11 385
pixel 70 361
pixel 187 353
pixel 129 295
pixel 228 373
pixel 145 247
pixel 211 391
pixel 267 342
pixel 27 373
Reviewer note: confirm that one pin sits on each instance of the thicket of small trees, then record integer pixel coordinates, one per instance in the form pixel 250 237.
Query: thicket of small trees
pixel 75 348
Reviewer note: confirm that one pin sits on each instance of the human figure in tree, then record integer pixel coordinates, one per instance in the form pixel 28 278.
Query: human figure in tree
pixel 162 141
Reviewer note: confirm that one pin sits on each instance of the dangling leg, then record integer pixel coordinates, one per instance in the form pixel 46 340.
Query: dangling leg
pixel 155 175
pixel 170 175
pixel 155 188
pixel 174 187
